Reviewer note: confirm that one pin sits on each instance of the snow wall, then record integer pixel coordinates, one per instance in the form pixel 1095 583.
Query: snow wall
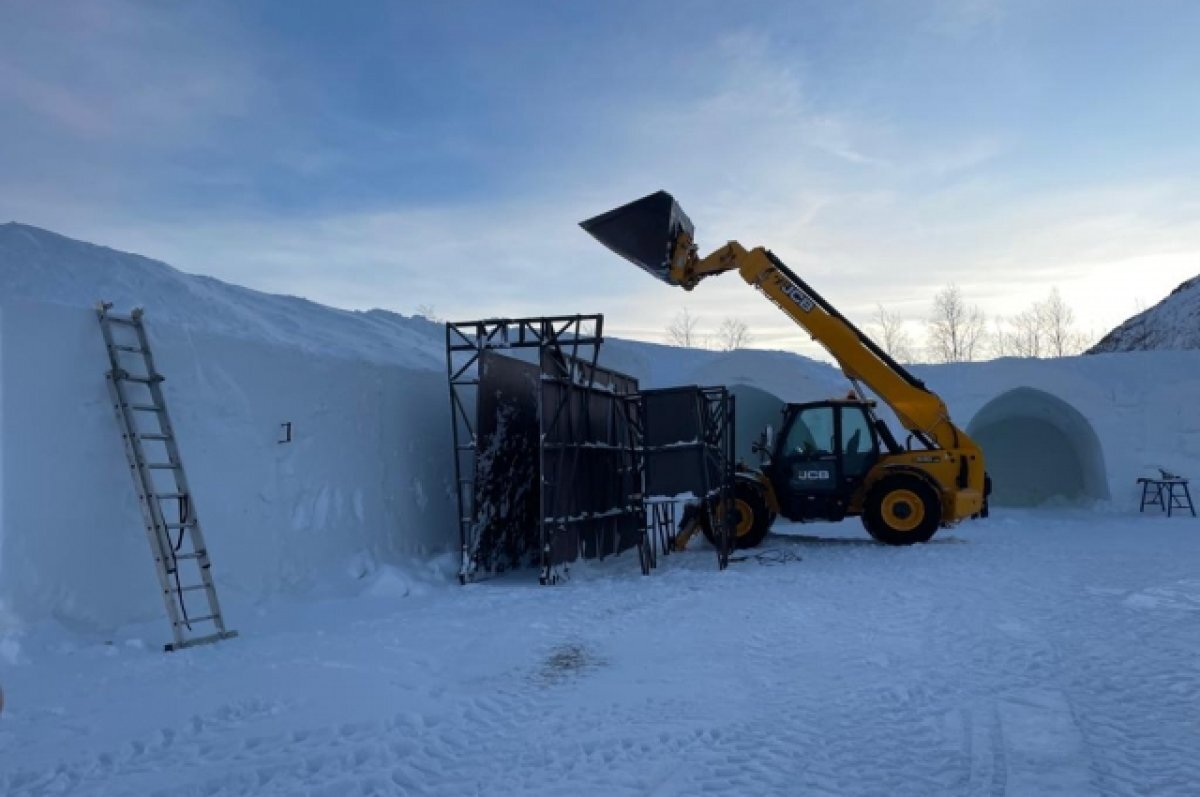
pixel 367 478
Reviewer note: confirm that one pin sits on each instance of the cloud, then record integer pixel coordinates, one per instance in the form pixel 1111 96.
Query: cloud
pixel 124 75
pixel 964 19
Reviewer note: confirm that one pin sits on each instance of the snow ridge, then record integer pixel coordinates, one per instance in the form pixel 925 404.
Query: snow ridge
pixel 41 266
pixel 1173 323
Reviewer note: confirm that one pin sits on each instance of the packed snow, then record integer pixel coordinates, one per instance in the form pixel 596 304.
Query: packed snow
pixel 1047 650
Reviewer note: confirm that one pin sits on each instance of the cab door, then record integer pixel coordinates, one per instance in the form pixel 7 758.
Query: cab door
pixel 859 445
pixel 806 469
pixel 825 452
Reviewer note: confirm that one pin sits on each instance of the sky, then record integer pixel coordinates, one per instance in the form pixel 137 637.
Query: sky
pixel 440 155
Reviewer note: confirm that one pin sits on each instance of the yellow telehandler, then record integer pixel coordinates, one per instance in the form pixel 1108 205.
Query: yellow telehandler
pixel 831 459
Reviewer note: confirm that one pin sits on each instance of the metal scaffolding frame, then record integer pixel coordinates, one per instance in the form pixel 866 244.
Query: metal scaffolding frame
pixel 573 392
pixel 711 449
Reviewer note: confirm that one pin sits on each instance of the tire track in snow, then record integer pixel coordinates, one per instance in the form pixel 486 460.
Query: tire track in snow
pixel 948 670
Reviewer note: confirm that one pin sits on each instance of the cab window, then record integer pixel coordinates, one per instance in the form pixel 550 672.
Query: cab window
pixel 811 433
pixel 858 445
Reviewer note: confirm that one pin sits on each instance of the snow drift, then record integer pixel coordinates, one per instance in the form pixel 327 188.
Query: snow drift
pixel 367 480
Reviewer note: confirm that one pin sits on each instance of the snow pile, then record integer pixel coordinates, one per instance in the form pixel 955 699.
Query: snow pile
pixel 1173 323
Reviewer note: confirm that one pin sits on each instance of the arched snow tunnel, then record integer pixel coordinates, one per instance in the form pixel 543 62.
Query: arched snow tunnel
pixel 754 410
pixel 1039 449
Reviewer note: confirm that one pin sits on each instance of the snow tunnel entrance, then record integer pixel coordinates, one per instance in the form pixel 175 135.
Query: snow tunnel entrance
pixel 755 409
pixel 1039 449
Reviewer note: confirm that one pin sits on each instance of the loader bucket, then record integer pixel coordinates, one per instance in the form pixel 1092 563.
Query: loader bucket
pixel 644 232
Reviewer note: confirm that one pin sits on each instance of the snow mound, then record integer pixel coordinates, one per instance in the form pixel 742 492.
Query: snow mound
pixel 41 266
pixel 1173 323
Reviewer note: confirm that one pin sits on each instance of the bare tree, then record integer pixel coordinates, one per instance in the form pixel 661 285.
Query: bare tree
pixel 956 331
pixel 684 330
pixel 1029 331
pixel 893 336
pixel 1058 320
pixel 733 334
pixel 1044 329
pixel 426 311
pixel 1003 339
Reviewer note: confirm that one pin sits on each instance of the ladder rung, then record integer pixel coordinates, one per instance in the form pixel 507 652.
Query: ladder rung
pixel 144 380
pixel 145 407
pixel 120 319
pixel 162 465
pixel 155 436
pixel 131 349
pixel 191 588
pixel 190 524
pixel 196 555
pixel 203 619
pixel 201 640
pixel 168 496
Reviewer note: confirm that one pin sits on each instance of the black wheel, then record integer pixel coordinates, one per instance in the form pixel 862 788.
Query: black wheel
pixel 902 510
pixel 751 516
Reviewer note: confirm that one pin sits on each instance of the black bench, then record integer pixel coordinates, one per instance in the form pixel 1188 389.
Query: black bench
pixel 1168 492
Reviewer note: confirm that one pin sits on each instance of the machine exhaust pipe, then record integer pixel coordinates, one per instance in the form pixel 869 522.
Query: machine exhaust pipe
pixel 647 232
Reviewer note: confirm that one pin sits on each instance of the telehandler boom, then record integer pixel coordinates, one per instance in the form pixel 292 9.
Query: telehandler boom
pixel 831 459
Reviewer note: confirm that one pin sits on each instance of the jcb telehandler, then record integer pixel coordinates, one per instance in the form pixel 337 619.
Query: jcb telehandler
pixel 830 459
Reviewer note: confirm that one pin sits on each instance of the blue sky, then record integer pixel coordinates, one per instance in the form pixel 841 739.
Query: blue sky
pixel 402 154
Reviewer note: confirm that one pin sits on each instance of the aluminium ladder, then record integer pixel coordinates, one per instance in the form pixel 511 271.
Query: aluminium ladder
pixel 159 479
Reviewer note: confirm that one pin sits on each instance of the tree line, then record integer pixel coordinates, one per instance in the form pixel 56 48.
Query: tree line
pixel 954 331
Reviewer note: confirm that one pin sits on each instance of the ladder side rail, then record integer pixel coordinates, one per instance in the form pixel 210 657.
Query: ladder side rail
pixel 195 532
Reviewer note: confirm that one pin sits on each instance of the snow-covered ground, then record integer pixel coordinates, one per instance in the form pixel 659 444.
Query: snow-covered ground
pixel 1037 652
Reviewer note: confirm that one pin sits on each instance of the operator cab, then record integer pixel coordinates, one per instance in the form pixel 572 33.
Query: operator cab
pixel 824 451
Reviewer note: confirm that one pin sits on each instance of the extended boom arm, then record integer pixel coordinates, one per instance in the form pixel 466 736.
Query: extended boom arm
pixel 919 411
pixel 637 232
